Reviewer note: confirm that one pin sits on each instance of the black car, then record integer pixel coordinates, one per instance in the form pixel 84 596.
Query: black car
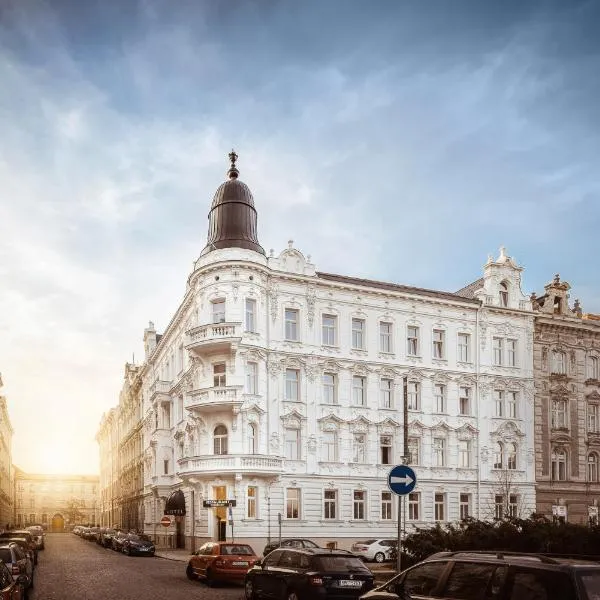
pixel 117 541
pixel 14 535
pixel 140 545
pixel 494 575
pixel 289 543
pixel 106 537
pixel 308 574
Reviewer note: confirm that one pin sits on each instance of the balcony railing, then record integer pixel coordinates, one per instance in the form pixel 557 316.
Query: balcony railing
pixel 256 464
pixel 159 388
pixel 214 399
pixel 213 336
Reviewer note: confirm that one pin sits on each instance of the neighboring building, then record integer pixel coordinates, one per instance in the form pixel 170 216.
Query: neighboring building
pixel 282 387
pixel 108 441
pixel 6 467
pixel 55 501
pixel 567 406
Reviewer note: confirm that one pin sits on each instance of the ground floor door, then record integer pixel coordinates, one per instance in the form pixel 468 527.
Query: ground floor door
pixel 58 523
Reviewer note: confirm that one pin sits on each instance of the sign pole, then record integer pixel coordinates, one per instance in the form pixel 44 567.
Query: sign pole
pixel 399 557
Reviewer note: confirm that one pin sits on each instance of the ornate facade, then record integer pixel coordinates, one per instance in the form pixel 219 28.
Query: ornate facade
pixel 567 406
pixel 7 478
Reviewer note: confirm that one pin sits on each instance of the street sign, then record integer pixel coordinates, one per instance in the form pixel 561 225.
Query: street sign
pixel 402 480
pixel 165 521
pixel 218 503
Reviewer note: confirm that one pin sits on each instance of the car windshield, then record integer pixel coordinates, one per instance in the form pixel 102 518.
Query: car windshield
pixel 368 542
pixel 590 581
pixel 5 555
pixel 237 549
pixel 344 564
pixel 310 544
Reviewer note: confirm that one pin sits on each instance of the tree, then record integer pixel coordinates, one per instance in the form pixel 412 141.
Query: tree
pixel 506 500
pixel 73 512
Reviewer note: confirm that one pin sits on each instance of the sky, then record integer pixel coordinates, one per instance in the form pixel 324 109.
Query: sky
pixel 390 139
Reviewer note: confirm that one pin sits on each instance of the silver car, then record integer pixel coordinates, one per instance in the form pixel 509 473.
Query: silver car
pixel 37 532
pixel 378 550
pixel 17 561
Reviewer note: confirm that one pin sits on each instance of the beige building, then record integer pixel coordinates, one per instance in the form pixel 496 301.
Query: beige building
pixel 567 406
pixel 6 468
pixel 55 501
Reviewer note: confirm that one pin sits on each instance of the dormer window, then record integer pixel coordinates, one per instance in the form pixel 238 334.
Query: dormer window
pixel 557 306
pixel 503 294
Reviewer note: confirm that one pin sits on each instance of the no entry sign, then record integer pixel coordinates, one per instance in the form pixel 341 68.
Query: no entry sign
pixel 165 521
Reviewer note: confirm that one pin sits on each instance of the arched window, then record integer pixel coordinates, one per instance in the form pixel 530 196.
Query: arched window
pixel 593 368
pixel 511 456
pixel 251 438
pixel 559 362
pixel 559 464
pixel 498 455
pixel 592 467
pixel 503 294
pixel 220 439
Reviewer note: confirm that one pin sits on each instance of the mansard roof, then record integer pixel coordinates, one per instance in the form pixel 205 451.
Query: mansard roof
pixel 469 290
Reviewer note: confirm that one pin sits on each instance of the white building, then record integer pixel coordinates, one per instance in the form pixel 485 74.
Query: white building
pixel 282 387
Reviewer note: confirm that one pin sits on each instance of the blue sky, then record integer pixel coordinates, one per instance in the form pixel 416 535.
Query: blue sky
pixel 396 140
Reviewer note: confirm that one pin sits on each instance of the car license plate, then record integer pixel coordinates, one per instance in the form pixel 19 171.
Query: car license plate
pixel 239 563
pixel 350 583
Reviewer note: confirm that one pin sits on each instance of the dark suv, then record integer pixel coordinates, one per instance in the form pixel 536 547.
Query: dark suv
pixel 308 574
pixel 289 543
pixel 494 575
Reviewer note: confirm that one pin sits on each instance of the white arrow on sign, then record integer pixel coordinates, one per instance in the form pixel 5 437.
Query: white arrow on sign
pixel 403 480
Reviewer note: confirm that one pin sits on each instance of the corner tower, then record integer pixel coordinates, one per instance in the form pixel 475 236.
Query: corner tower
pixel 232 217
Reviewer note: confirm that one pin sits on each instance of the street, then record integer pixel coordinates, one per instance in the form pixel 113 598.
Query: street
pixel 73 569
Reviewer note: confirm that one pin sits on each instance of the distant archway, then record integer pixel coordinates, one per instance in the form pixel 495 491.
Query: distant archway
pixel 58 523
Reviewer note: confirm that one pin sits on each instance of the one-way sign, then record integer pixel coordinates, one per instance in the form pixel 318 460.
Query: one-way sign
pixel 402 480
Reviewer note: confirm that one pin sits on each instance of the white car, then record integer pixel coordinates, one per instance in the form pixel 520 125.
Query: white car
pixel 377 550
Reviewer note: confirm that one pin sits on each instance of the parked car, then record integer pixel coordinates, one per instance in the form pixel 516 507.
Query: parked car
pixel 15 534
pixel 308 574
pixel 37 531
pixel 377 550
pixel 117 541
pixel 221 562
pixel 17 561
pixel 140 545
pixel 289 543
pixel 106 537
pixel 92 534
pixel 23 544
pixel 12 587
pixel 490 575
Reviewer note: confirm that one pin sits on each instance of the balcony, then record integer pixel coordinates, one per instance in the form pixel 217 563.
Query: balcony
pixel 223 464
pixel 214 399
pixel 160 390
pixel 215 337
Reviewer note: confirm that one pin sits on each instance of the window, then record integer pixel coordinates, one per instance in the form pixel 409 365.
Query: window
pixel 464 347
pixel 412 340
pixel 464 506
pixel 544 585
pixel 251 378
pixel 292 384
pixel 359 443
pixel 218 311
pixel 251 502
pixel 358 334
pixel 592 467
pixel 251 438
pixel 593 368
pixel 464 453
pixel 330 504
pixel 498 403
pixel 219 378
pixel 413 506
pixel 358 505
pixel 385 448
pixel 439 452
pixel 511 456
pixel 511 353
pixel 559 464
pixel 559 362
pixel 291 324
pixel 220 439
pixel 513 505
pixel 330 446
pixel 386 392
pixel 250 314
pixel 498 461
pixel 423 579
pixel 464 401
pixel 386 506
pixel 359 390
pixel 498 506
pixel 503 294
pixel 498 351
pixel 329 330
pixel 413 450
pixel 440 507
pixel 471 580
pixel 385 337
pixel 292 444
pixel 439 395
pixel 559 414
pixel 593 414
pixel 329 388
pixel 511 405
pixel 438 343
pixel 414 395
pixel 292 506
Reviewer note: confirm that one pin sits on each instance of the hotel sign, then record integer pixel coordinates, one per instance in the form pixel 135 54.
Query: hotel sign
pixel 217 503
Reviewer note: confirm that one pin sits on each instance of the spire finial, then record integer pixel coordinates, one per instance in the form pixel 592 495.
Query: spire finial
pixel 556 279
pixel 233 172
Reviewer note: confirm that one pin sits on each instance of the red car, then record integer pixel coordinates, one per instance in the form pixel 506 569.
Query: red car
pixel 221 562
pixel 12 588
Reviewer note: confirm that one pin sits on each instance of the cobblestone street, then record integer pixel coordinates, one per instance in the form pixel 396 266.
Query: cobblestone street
pixel 73 569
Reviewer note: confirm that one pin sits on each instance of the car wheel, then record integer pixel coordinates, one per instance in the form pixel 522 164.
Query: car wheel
pixel 379 557
pixel 291 595
pixel 190 573
pixel 126 550
pixel 249 590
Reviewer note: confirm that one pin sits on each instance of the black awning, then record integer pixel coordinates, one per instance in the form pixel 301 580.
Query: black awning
pixel 175 504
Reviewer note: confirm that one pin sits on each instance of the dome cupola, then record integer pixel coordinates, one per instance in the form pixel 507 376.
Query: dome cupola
pixel 232 216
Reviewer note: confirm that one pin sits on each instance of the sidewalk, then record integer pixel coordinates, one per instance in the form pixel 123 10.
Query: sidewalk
pixel 180 555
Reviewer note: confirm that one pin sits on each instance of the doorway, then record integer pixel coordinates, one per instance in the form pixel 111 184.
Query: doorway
pixel 58 523
pixel 179 534
pixel 221 530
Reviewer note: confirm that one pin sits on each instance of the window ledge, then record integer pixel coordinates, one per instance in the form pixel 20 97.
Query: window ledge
pixel 248 520
pixel 414 356
pixel 383 354
pixel 465 363
pixel 360 350
pixel 332 521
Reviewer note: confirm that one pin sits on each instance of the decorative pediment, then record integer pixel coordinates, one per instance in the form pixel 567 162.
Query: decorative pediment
pixel 388 373
pixel 441 377
pixel 466 432
pixel 416 375
pixel 254 355
pixel 559 390
pixel 387 422
pixel 508 431
pixel 360 369
pixel 293 363
pixel 593 396
pixel 415 428
pixel 331 418
pixel 440 428
pixel 332 366
pixel 360 424
pixel 293 419
pixel 466 381
pixel 253 408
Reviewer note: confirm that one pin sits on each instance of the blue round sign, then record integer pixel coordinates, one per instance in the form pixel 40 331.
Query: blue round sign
pixel 402 480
